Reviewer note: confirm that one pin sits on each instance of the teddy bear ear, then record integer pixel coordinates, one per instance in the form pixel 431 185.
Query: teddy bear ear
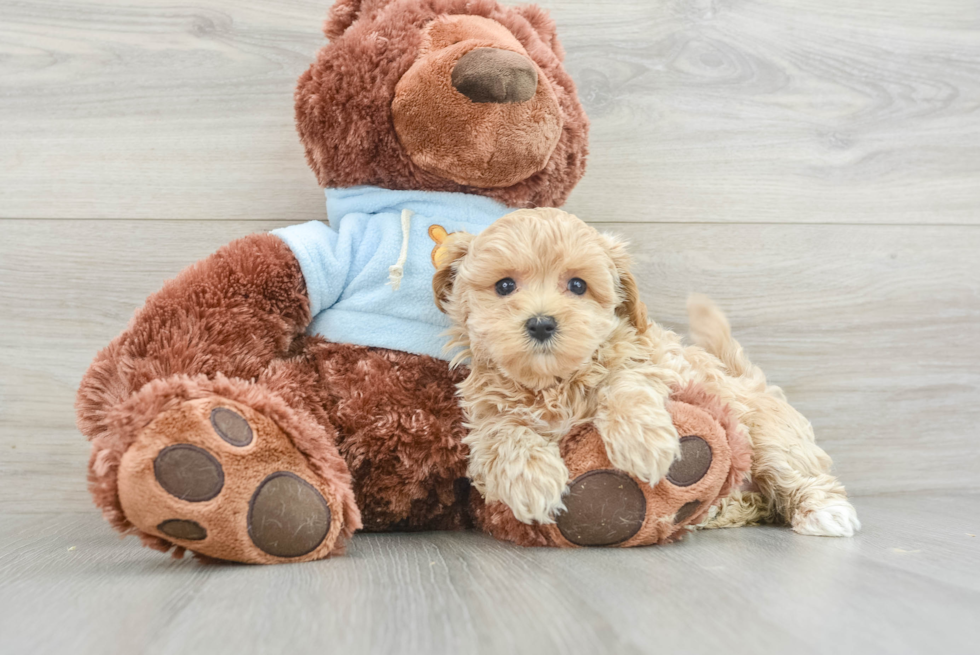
pixel 342 15
pixel 544 26
pixel 446 259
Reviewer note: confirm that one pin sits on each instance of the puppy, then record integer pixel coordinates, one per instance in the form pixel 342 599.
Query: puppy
pixel 548 317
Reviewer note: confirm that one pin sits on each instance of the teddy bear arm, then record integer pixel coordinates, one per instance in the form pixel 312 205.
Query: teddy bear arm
pixel 230 313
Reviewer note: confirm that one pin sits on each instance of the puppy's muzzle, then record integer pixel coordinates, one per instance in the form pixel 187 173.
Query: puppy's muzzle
pixel 541 328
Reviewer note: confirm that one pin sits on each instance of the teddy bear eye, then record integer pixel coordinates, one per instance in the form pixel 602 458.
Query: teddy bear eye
pixel 506 286
pixel 577 286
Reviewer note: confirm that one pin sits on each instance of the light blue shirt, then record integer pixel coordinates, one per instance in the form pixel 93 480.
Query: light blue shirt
pixel 347 264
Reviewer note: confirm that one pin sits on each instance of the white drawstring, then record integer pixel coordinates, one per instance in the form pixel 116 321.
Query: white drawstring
pixel 397 272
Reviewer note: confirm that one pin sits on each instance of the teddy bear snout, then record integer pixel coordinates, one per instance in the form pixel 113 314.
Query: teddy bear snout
pixel 495 75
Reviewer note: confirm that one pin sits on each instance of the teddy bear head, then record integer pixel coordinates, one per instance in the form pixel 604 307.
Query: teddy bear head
pixel 443 95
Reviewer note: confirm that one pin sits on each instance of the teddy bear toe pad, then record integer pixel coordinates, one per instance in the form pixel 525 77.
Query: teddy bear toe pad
pixel 181 529
pixel 686 511
pixel 223 480
pixel 231 426
pixel 693 464
pixel 188 473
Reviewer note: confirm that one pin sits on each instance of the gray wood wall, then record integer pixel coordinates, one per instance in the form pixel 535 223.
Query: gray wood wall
pixel 813 165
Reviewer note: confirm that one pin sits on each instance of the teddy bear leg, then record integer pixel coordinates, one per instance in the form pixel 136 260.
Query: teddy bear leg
pixel 186 451
pixel 229 469
pixel 607 507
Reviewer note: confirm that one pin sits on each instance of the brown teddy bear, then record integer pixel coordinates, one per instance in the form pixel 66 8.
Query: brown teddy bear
pixel 292 388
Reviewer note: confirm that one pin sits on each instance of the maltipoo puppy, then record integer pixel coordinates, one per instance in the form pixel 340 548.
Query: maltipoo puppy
pixel 547 315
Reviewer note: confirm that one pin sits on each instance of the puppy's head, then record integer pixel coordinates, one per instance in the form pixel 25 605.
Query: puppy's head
pixel 536 294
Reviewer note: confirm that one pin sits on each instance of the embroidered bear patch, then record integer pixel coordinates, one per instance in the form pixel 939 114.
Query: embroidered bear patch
pixel 438 234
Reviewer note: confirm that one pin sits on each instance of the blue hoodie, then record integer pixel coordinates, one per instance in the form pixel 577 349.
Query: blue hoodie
pixel 369 273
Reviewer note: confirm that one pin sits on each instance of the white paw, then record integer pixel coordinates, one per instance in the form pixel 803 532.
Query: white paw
pixel 837 519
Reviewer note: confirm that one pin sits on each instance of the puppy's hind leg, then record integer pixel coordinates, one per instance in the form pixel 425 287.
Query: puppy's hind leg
pixel 792 471
pixel 740 508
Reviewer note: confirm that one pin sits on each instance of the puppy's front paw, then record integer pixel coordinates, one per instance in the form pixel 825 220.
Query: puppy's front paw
pixel 531 485
pixel 642 442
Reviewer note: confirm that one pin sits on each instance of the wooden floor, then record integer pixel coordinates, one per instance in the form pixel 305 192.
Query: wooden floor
pixel 814 165
pixel 910 583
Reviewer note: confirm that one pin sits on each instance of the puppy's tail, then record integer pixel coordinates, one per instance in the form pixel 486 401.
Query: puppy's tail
pixel 711 331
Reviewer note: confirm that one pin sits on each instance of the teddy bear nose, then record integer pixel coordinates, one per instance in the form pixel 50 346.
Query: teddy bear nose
pixel 541 328
pixel 495 75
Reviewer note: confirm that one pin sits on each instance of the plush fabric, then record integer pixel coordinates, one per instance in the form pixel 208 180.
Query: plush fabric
pixel 376 432
pixel 191 326
pixel 148 505
pixel 344 101
pixel 479 144
pixel 347 264
pixel 695 413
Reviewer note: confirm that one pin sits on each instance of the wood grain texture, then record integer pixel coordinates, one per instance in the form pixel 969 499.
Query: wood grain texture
pixel 871 330
pixel 67 584
pixel 813 111
pixel 810 164
pixel 779 111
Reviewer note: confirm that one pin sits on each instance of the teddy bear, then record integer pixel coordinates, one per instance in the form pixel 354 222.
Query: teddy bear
pixel 292 388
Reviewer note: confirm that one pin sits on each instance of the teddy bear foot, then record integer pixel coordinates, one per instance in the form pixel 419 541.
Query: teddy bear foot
pixel 607 507
pixel 217 477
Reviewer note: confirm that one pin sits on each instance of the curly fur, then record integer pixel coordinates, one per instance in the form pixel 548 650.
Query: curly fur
pixel 384 426
pixel 232 325
pixel 344 101
pixel 521 396
pixel 607 363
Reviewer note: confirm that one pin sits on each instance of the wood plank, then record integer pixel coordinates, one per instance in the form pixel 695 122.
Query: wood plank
pixel 779 110
pixel 68 585
pixel 68 287
pixel 145 109
pixel 870 330
pixel 819 111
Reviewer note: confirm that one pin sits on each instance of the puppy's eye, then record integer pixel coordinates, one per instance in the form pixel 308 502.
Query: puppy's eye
pixel 577 286
pixel 506 286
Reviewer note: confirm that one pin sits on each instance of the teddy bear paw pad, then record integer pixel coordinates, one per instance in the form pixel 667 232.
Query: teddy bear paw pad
pixel 287 516
pixel 603 508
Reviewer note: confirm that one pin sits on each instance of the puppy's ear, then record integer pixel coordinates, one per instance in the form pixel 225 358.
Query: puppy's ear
pixel 446 259
pixel 630 307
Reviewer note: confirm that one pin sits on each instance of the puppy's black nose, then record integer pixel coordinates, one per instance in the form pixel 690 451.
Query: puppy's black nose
pixel 541 328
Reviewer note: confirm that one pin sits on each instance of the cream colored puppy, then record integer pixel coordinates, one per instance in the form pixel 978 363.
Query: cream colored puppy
pixel 547 315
